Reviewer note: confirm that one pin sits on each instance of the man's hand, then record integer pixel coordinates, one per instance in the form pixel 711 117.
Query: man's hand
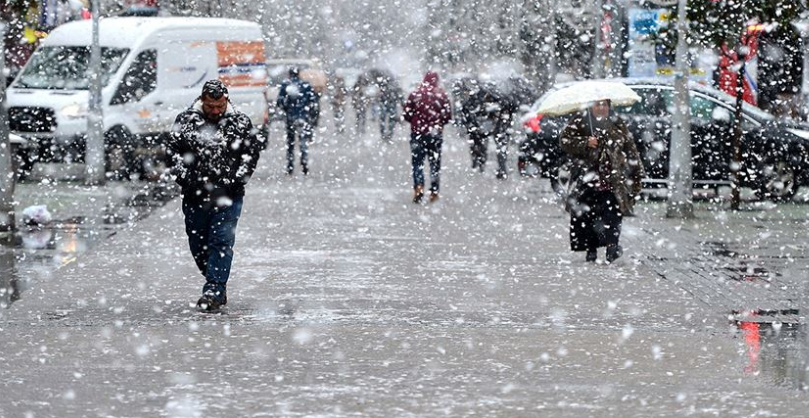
pixel 592 142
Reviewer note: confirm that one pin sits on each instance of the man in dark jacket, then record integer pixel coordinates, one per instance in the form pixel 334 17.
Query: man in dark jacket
pixel 480 111
pixel 213 150
pixel 390 98
pixel 428 110
pixel 298 101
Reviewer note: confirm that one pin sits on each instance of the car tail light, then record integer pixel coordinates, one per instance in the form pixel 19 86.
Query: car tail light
pixel 533 124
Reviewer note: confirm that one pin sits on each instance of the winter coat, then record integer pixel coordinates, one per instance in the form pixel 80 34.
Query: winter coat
pixel 298 101
pixel 213 160
pixel 616 150
pixel 481 112
pixel 428 108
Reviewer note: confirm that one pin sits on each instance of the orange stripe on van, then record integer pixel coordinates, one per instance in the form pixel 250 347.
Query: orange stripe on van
pixel 230 53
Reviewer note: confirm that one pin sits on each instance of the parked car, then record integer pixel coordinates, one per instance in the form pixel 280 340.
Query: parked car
pixel 153 68
pixel 775 151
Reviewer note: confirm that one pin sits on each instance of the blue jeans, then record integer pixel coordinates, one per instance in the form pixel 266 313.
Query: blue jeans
pixel 426 146
pixel 211 234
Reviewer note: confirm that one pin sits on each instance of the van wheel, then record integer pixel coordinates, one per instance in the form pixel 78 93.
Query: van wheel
pixel 119 147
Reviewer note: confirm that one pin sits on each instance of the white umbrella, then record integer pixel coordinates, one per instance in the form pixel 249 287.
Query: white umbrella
pixel 582 95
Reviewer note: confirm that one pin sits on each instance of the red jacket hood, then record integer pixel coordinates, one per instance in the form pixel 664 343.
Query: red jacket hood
pixel 431 79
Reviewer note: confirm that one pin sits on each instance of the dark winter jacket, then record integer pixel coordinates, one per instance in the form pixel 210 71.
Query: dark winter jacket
pixel 298 101
pixel 428 108
pixel 482 112
pixel 213 160
pixel 615 163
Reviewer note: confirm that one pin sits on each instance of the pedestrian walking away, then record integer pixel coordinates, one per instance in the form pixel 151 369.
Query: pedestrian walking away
pixel 359 98
pixel 298 101
pixel 213 151
pixel 390 98
pixel 605 179
pixel 339 93
pixel 427 109
pixel 485 116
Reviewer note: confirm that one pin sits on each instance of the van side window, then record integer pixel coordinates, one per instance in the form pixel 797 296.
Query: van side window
pixel 140 79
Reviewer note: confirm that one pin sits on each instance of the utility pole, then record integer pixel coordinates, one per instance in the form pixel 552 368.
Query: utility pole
pixel 94 151
pixel 736 163
pixel 7 175
pixel 597 70
pixel 680 199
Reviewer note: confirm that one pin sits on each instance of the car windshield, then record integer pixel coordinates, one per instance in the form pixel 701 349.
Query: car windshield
pixel 67 67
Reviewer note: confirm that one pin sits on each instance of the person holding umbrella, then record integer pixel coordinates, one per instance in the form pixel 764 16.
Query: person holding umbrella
pixel 605 180
pixel 607 170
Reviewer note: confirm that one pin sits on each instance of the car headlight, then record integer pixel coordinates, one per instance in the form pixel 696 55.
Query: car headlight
pixel 74 111
pixel 799 133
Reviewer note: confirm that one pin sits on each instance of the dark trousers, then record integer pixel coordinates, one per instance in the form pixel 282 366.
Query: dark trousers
pixel 426 146
pixel 478 145
pixel 479 148
pixel 501 140
pixel 211 234
pixel 595 221
pixel 387 121
pixel 301 130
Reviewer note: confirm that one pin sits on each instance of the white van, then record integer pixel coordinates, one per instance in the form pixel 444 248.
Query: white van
pixel 154 68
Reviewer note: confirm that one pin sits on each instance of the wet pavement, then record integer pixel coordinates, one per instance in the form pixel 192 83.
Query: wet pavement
pixel 82 218
pixel 348 300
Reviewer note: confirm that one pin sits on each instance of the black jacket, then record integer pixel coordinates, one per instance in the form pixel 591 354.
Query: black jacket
pixel 213 160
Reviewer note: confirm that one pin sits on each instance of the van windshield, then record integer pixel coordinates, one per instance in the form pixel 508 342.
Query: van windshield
pixel 67 67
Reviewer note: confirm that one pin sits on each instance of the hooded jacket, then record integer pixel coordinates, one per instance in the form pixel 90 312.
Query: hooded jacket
pixel 428 108
pixel 212 159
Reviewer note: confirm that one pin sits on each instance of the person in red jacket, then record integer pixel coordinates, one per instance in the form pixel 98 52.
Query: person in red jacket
pixel 428 110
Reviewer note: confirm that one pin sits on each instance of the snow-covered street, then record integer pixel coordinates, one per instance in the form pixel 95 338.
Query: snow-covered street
pixel 346 299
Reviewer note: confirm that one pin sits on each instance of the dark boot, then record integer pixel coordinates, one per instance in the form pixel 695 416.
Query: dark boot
pixel 214 296
pixel 592 255
pixel 614 252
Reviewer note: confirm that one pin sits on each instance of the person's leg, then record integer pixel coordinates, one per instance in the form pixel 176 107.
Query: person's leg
pixel 304 137
pixel 290 147
pixel 197 226
pixel 434 154
pixel 475 145
pixel 417 155
pixel 383 123
pixel 613 219
pixel 221 239
pixel 501 141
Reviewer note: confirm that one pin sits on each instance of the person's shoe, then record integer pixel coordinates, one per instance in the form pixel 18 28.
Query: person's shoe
pixel 592 255
pixel 213 297
pixel 501 175
pixel 614 252
pixel 290 171
pixel 433 197
pixel 418 194
pixel 305 169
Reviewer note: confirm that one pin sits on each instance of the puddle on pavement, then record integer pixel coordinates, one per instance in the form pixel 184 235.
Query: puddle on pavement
pixel 35 253
pixel 775 347
pixel 741 267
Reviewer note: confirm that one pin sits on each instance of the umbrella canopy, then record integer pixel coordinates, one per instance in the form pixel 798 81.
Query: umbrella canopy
pixel 582 95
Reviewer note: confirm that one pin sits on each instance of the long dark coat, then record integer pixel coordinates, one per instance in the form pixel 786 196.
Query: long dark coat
pixel 616 148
